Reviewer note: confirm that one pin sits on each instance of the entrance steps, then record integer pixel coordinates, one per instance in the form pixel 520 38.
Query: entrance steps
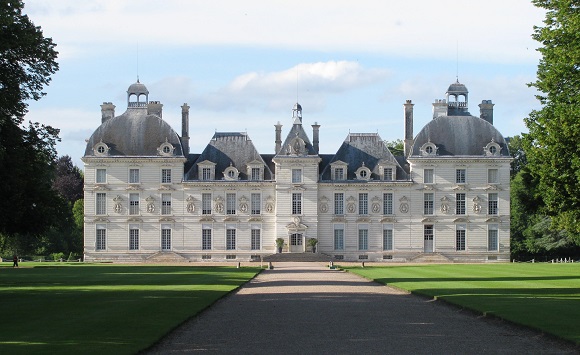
pixel 298 257
pixel 166 257
pixel 431 258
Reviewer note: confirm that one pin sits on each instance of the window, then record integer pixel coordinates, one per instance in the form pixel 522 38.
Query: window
pixel 133 237
pixel 492 176
pixel 492 237
pixel 205 203
pixel 460 203
pixel 230 203
pixel 296 203
pixel 101 176
pixel 133 176
pixel 165 203
pixel 428 203
pixel 206 237
pixel 296 239
pixel 387 237
pixel 206 174
pixel 363 238
pixel 428 233
pixel 363 203
pixel 388 174
pixel 165 237
pixel 339 203
pixel 101 203
pixel 256 238
pixel 339 237
pixel 256 203
pixel 460 237
pixel 388 203
pixel 101 237
pixel 256 174
pixel 428 176
pixel 460 176
pixel 230 239
pixel 296 176
pixel 429 149
pixel 492 203
pixel 338 174
pixel 133 204
pixel 166 176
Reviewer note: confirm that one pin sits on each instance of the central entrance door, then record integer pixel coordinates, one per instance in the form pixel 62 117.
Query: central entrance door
pixel 296 243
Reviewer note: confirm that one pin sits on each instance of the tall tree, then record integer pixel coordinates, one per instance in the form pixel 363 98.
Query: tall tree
pixel 68 181
pixel 553 142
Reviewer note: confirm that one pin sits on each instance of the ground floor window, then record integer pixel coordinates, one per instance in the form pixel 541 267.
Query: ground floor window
pixel 101 237
pixel 165 237
pixel 230 239
pixel 256 242
pixel 206 238
pixel 492 237
pixel 363 238
pixel 388 237
pixel 460 237
pixel 338 237
pixel 133 238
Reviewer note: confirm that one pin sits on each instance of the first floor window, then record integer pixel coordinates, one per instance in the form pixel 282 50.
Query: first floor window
pixel 492 176
pixel 339 237
pixel 133 238
pixel 388 237
pixel 339 203
pixel 428 203
pixel 165 176
pixel 101 203
pixel 133 176
pixel 165 203
pixel 460 176
pixel 460 237
pixel 492 237
pixel 363 238
pixel 388 203
pixel 230 203
pixel 230 239
pixel 206 238
pixel 101 177
pixel 256 203
pixel 492 203
pixel 363 203
pixel 101 237
pixel 256 238
pixel 133 204
pixel 296 176
pixel 428 176
pixel 165 237
pixel 205 203
pixel 296 203
pixel 460 203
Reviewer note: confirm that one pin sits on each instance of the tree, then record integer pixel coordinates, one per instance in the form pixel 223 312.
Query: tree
pixel 553 143
pixel 517 152
pixel 396 147
pixel 69 179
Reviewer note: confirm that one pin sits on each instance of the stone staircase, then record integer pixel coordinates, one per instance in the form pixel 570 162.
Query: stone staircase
pixel 431 258
pixel 166 257
pixel 298 257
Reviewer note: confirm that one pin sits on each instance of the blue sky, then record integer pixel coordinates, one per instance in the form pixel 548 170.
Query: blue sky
pixel 241 65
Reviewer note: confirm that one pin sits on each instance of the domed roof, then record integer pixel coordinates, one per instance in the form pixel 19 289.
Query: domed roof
pixel 137 88
pixel 459 136
pixel 457 88
pixel 134 133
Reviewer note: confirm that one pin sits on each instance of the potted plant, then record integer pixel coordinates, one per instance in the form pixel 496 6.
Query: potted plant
pixel 312 242
pixel 279 244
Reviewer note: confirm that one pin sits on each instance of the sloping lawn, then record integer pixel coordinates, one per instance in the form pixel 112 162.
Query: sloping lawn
pixel 541 296
pixel 103 309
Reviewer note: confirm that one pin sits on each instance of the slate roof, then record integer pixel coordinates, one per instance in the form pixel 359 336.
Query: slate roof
pixel 459 136
pixel 134 133
pixel 225 148
pixel 297 130
pixel 363 147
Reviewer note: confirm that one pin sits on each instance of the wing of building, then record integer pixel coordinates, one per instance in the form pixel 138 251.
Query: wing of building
pixel 447 198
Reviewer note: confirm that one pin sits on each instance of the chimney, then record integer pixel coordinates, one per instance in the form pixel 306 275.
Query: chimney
pixel 155 108
pixel 107 111
pixel 278 137
pixel 408 143
pixel 315 136
pixel 185 129
pixel 486 110
pixel 439 108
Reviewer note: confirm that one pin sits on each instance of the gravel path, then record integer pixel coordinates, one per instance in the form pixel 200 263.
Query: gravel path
pixel 305 308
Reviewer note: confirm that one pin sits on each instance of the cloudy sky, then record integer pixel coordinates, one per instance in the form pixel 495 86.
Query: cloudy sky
pixel 241 65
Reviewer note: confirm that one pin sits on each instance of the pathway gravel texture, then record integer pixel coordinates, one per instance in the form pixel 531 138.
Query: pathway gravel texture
pixel 305 308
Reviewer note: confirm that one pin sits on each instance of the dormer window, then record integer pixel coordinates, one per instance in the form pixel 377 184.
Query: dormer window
pixel 231 173
pixel 363 173
pixel 255 170
pixel 206 170
pixel 492 149
pixel 166 149
pixel 101 149
pixel 428 149
pixel 338 170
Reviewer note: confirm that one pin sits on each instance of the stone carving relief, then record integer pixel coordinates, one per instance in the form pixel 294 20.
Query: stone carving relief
pixel 118 207
pixel 404 207
pixel 323 204
pixel 190 205
pixel 350 205
pixel 444 205
pixel 243 205
pixel 269 204
pixel 218 204
pixel 150 204
pixel 376 206
pixel 476 204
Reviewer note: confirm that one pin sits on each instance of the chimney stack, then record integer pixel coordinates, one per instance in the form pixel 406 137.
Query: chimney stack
pixel 439 108
pixel 278 137
pixel 155 108
pixel 315 136
pixel 185 129
pixel 486 110
pixel 408 143
pixel 107 111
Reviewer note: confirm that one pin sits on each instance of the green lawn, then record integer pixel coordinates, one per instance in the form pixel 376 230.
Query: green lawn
pixel 115 309
pixel 541 296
